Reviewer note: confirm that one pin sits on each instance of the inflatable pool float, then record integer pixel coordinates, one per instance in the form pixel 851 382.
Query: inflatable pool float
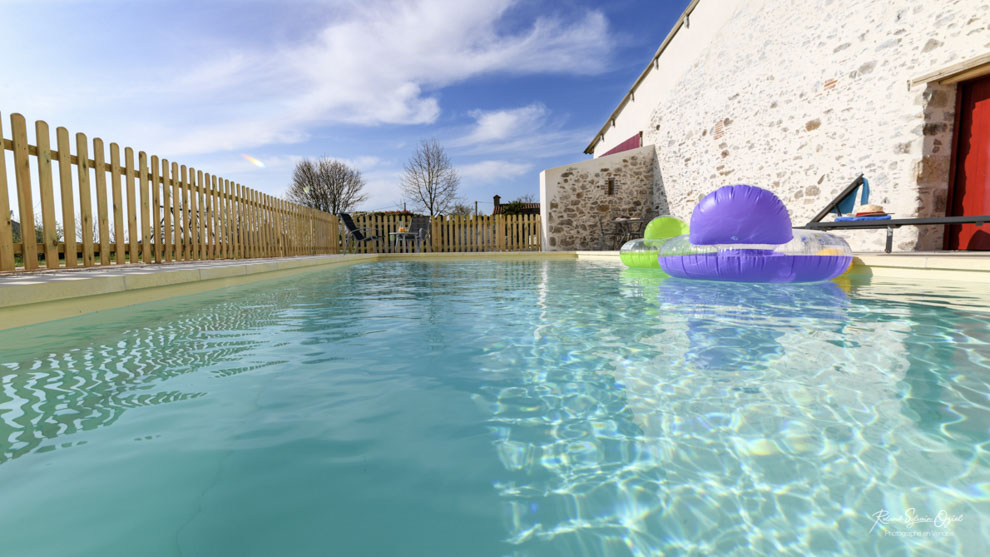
pixel 642 252
pixel 743 233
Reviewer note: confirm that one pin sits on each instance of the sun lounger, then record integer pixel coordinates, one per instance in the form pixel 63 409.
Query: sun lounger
pixel 844 202
pixel 355 232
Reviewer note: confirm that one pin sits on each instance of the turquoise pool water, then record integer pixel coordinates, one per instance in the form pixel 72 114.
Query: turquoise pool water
pixel 502 408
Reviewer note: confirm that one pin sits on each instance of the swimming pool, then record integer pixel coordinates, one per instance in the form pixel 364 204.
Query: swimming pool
pixel 501 408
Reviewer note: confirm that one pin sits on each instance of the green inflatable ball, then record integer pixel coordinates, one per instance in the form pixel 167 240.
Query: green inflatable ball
pixel 664 228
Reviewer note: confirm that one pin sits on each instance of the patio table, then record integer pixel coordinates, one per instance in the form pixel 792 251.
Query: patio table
pixel 627 227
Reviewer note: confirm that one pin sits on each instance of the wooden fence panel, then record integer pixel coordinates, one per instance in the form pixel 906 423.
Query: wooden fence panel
pixel 250 244
pixel 218 215
pixel 166 211
pixel 7 261
pixel 206 249
pixel 48 223
pixel 267 221
pixel 178 213
pixel 118 204
pixel 224 185
pixel 255 222
pixel 277 212
pixel 206 214
pixel 203 199
pixel 156 215
pixel 509 236
pixel 241 223
pixel 102 207
pixel 22 175
pixel 211 185
pixel 269 227
pixel 132 228
pixel 242 238
pixel 187 217
pixel 85 200
pixel 234 219
pixel 144 188
pixel 195 215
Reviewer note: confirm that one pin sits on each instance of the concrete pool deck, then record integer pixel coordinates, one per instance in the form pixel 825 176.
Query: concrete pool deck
pixel 27 298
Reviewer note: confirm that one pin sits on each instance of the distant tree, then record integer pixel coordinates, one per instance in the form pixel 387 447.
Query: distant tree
pixel 460 210
pixel 518 206
pixel 326 184
pixel 513 208
pixel 39 230
pixel 430 182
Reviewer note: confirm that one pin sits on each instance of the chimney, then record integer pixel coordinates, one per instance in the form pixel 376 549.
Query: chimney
pixel 497 198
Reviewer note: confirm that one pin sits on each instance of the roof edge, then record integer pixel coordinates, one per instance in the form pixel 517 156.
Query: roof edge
pixel 590 149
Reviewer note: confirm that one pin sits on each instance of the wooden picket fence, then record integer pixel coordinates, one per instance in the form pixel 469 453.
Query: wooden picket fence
pixel 157 211
pixel 150 212
pixel 453 234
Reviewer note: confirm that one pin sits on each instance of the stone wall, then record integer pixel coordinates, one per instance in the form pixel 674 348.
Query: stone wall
pixel 801 96
pixel 575 197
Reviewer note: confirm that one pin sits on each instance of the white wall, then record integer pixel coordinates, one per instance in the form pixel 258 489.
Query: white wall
pixel 682 52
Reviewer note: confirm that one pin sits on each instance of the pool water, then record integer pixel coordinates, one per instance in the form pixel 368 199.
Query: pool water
pixel 502 408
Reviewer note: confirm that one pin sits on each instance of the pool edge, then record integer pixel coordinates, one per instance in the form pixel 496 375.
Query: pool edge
pixel 32 298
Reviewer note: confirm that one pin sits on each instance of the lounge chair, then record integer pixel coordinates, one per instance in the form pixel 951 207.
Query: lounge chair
pixel 845 201
pixel 358 234
pixel 419 231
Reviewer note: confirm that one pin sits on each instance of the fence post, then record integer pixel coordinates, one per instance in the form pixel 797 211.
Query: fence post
pixel 6 227
pixel 156 206
pixel 85 200
pixel 143 181
pixel 50 235
pixel 500 233
pixel 167 210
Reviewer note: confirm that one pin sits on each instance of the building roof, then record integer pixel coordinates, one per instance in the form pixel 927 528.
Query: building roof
pixel 590 149
pixel 526 209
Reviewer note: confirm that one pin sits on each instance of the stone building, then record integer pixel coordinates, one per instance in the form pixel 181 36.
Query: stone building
pixel 799 97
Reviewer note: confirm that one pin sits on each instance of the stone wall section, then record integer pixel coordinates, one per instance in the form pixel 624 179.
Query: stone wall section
pixel 575 197
pixel 801 96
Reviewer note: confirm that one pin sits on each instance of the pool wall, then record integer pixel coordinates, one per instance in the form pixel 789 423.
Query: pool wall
pixel 29 298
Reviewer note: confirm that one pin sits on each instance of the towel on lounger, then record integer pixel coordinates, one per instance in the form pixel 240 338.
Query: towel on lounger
pixel 847 219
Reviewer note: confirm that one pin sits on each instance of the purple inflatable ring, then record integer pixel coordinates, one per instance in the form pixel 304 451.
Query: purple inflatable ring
pixel 756 267
pixel 743 233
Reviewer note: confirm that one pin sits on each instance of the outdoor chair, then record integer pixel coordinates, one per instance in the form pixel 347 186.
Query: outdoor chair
pixel 419 231
pixel 609 237
pixel 843 204
pixel 359 234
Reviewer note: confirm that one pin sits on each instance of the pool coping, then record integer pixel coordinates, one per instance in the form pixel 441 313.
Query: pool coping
pixel 37 297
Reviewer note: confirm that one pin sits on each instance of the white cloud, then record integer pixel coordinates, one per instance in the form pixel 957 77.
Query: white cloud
pixel 382 189
pixel 363 163
pixel 526 131
pixel 485 172
pixel 500 125
pixel 378 62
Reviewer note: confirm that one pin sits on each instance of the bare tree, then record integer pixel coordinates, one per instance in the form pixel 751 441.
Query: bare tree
pixel 326 184
pixel 430 181
pixel 460 210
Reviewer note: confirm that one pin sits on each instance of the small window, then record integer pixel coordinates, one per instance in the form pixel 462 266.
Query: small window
pixel 611 186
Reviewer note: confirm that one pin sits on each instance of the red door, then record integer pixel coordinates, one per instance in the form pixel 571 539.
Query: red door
pixel 971 188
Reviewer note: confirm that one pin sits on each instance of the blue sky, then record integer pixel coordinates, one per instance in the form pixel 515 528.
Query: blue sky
pixel 509 87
